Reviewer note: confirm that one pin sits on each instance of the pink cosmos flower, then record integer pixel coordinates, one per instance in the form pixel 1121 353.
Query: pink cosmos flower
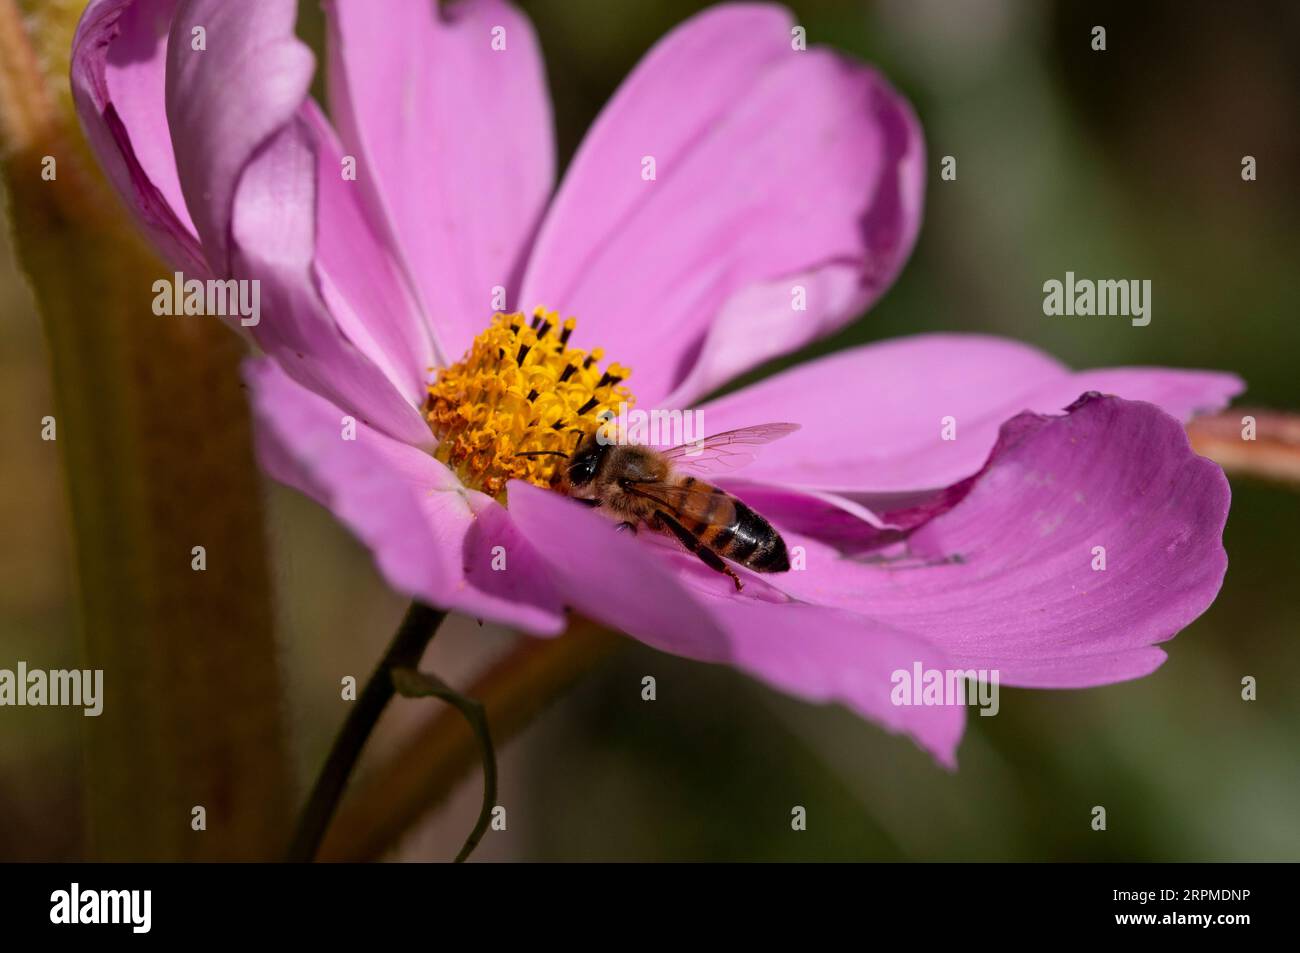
pixel 730 171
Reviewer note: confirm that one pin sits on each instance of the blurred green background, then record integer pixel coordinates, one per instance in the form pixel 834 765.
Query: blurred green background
pixel 1123 163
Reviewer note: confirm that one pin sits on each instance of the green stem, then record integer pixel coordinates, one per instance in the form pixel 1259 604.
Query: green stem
pixel 155 443
pixel 408 645
pixel 413 684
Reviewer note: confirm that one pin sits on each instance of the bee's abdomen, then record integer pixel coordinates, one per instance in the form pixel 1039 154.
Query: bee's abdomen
pixel 749 539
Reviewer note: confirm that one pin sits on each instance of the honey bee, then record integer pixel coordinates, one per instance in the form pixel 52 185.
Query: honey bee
pixel 644 486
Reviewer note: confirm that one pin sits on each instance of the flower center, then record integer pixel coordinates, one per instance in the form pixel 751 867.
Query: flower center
pixel 519 402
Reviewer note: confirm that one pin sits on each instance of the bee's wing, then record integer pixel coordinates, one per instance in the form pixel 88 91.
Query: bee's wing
pixel 682 502
pixel 726 450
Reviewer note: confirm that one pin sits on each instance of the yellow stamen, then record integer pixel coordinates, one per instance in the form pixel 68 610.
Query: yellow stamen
pixel 520 389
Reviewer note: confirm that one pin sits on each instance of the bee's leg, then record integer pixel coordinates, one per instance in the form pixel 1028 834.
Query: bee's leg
pixel 586 502
pixel 693 544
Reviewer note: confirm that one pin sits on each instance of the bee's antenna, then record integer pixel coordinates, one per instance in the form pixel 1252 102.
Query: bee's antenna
pixel 542 453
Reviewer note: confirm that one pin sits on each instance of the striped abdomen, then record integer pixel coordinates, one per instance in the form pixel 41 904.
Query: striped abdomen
pixel 730 528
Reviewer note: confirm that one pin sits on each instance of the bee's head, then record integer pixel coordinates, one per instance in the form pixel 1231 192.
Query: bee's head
pixel 585 462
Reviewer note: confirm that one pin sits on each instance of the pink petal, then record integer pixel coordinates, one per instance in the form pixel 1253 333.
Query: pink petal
pixel 453 142
pixel 365 289
pixel 661 597
pixel 432 538
pixel 774 168
pixel 226 100
pixel 274 239
pixel 1023 596
pixel 873 416
pixel 118 63
pixel 119 60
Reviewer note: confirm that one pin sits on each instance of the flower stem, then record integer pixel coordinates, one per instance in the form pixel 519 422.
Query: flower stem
pixel 404 786
pixel 165 527
pixel 413 684
pixel 1271 451
pixel 404 652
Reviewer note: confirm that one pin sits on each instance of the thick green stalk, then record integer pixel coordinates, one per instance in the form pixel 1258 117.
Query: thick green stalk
pixel 154 436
